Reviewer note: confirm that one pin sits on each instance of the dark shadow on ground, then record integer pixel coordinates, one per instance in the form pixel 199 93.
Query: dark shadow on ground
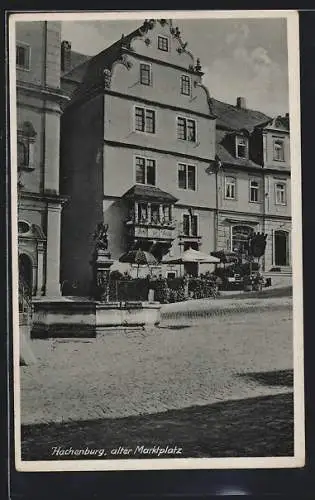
pixel 255 427
pixel 175 327
pixel 266 293
pixel 279 378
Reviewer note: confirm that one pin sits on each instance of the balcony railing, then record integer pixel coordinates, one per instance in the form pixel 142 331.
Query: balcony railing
pixel 153 221
pixel 143 227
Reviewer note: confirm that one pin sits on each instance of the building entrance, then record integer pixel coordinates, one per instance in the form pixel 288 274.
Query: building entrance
pixel 281 248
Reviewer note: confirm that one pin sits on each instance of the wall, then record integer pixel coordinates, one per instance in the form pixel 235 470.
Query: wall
pixel 119 172
pixel 82 181
pixel 120 126
pixel 165 86
pixel 241 203
pixel 115 213
pixel 44 41
pixel 270 136
pixel 31 110
pixel 271 207
pixel 148 46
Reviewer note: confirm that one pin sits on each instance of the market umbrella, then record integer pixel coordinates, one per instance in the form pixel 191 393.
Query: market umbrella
pixel 191 255
pixel 140 257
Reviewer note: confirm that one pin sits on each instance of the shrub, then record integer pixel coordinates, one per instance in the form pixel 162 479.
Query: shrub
pixel 162 291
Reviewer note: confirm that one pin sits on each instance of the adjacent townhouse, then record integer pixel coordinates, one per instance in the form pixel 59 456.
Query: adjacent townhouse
pixel 253 181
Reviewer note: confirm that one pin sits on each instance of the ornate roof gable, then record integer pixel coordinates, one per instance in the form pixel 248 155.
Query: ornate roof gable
pixel 148 34
pixel 279 123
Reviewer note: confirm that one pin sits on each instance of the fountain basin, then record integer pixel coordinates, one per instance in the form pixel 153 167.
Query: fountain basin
pixel 76 317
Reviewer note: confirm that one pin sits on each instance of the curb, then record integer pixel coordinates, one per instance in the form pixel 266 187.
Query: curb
pixel 223 311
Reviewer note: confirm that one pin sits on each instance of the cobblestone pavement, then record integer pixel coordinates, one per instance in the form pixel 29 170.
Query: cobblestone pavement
pixel 126 373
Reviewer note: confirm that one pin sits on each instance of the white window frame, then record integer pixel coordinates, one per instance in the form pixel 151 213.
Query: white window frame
pixel 240 224
pixel 258 190
pixel 182 225
pixel 160 37
pixel 187 165
pixel 274 231
pixel 134 120
pixel 275 140
pixel 28 47
pixel 190 85
pixel 284 184
pixel 146 158
pixel 239 138
pixel 186 120
pixel 225 187
pixel 150 66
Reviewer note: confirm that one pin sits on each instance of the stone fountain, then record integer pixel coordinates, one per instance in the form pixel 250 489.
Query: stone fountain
pixel 87 317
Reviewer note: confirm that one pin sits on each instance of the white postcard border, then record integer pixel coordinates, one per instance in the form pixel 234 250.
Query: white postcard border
pixel 298 459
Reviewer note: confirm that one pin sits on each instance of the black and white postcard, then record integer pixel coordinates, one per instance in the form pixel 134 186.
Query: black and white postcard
pixel 157 240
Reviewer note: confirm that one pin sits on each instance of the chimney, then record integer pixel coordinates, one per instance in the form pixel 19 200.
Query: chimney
pixel 241 103
pixel 65 56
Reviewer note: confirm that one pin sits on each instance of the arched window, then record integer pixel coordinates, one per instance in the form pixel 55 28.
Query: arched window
pixel 240 235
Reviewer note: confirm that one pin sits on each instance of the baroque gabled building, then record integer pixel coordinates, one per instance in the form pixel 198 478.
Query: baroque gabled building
pixel 138 138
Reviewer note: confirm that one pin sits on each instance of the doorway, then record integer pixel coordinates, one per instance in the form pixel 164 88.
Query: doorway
pixel 25 274
pixel 281 239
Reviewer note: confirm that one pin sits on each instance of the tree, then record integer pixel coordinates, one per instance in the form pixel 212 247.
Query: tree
pixel 257 245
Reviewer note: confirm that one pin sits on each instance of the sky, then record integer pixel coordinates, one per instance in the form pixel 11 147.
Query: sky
pixel 240 57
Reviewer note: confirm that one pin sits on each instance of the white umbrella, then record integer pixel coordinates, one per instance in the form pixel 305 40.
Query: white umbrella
pixel 191 255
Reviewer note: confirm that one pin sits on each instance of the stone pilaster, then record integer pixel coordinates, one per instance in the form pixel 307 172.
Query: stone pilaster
pixel 40 269
pixel 52 163
pixel 53 250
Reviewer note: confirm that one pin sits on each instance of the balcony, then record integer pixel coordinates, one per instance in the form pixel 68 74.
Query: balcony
pixel 150 215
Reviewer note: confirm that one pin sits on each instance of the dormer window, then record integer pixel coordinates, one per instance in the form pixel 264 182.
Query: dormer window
pixel 278 150
pixel 163 43
pixel 241 147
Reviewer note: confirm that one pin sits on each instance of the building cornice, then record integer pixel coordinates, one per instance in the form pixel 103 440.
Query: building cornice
pixel 99 90
pixel 46 92
pixel 38 107
pixel 129 145
pixel 232 213
pixel 143 57
pixel 158 104
pixel 44 197
pixel 259 168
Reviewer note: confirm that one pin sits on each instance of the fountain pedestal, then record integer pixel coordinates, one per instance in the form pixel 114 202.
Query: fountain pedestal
pixel 101 264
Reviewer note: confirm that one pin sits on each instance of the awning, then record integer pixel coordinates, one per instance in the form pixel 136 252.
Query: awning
pixel 144 192
pixel 191 255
